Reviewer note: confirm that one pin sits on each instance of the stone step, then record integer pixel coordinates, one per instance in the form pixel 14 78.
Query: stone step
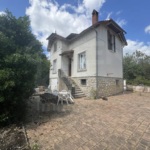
pixel 79 94
pixel 77 87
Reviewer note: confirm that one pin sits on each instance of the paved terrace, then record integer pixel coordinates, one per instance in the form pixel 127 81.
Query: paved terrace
pixel 122 122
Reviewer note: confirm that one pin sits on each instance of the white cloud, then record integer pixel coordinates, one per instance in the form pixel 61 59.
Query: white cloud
pixel 2 13
pixel 136 45
pixel 121 22
pixel 47 16
pixel 48 55
pixel 147 29
pixel 108 16
pixel 118 12
pixel 92 4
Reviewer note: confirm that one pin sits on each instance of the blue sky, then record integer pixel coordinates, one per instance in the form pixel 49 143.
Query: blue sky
pixel 74 16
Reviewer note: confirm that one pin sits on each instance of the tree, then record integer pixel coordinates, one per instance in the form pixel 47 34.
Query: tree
pixel 20 53
pixel 136 68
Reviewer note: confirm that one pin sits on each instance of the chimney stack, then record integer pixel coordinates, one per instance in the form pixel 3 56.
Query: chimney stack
pixel 94 17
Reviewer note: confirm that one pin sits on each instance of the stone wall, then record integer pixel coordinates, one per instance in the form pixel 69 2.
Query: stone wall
pixel 106 85
pixel 62 85
pixel 90 82
pixel 141 89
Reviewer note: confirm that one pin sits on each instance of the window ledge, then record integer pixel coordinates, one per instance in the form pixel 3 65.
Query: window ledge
pixel 83 85
pixel 112 51
pixel 81 70
pixel 54 73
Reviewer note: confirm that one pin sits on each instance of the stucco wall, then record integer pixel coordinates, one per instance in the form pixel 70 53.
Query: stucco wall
pixel 85 43
pixel 55 55
pixel 108 61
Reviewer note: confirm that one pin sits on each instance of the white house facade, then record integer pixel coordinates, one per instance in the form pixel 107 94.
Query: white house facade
pixel 90 60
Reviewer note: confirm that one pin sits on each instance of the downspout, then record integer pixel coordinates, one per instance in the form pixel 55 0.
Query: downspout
pixel 122 72
pixel 96 62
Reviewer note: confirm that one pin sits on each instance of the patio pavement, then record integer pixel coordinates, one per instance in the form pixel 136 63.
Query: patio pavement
pixel 122 122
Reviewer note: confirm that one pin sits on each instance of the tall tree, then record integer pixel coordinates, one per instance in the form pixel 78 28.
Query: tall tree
pixel 20 55
pixel 136 68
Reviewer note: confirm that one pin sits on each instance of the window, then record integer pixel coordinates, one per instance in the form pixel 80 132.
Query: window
pixel 111 41
pixel 83 81
pixel 82 61
pixel 55 47
pixel 54 66
pixel 117 82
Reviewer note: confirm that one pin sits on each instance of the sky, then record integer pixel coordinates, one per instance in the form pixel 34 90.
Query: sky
pixel 73 16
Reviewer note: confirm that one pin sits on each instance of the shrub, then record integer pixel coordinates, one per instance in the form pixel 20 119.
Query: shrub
pixel 20 54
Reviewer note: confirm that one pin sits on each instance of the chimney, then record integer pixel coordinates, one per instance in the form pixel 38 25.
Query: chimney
pixel 94 17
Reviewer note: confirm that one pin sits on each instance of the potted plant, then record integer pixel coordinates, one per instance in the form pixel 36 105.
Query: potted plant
pixel 73 84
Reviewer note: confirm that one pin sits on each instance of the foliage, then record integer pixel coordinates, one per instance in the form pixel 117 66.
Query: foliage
pixel 136 68
pixel 35 146
pixel 20 55
pixel 93 93
pixel 42 75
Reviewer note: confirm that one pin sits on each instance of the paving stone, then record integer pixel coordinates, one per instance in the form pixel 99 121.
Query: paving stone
pixel 122 122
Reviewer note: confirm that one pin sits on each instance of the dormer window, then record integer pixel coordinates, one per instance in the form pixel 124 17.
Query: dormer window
pixel 111 41
pixel 55 47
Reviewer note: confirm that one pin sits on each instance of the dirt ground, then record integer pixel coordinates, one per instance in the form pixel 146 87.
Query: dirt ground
pixel 12 138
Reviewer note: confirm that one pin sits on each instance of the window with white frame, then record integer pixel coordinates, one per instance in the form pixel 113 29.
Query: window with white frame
pixel 55 47
pixel 54 66
pixel 82 61
pixel 111 41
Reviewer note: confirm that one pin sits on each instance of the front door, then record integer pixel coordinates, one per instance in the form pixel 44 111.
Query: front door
pixel 69 69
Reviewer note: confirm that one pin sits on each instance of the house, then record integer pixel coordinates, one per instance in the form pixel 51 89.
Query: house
pixel 90 59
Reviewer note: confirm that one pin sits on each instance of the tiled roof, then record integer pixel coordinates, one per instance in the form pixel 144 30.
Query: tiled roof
pixel 109 23
pixel 67 53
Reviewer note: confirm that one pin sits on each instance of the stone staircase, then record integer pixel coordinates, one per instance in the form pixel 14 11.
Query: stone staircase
pixel 76 91
pixel 67 82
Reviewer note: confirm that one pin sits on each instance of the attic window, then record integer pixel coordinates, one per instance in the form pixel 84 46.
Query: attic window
pixel 111 41
pixel 55 47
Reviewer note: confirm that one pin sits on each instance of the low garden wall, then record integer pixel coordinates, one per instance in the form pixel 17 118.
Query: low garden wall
pixel 138 88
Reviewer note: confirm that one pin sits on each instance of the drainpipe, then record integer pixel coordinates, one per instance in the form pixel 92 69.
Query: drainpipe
pixel 96 62
pixel 122 72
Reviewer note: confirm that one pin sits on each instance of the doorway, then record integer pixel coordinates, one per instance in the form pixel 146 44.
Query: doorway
pixel 69 69
pixel 53 84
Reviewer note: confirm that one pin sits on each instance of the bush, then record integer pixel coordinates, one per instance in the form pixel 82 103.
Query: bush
pixel 139 81
pixel 20 54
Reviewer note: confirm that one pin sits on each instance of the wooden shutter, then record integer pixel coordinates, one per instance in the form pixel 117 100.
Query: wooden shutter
pixel 114 44
pixel 109 37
